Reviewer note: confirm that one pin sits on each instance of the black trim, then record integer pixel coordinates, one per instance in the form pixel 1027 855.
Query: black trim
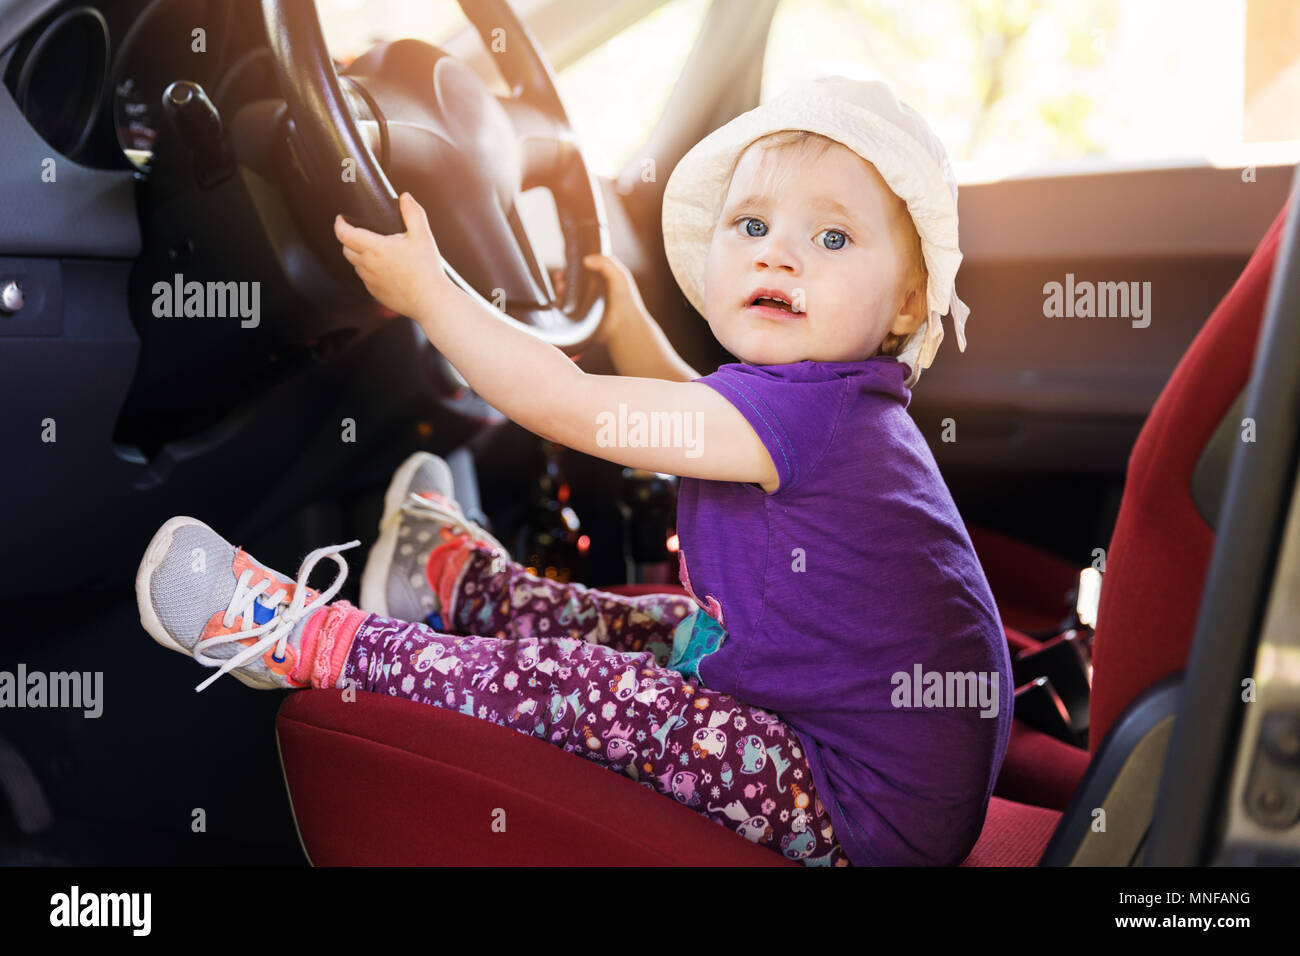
pixel 69 141
pixel 1153 705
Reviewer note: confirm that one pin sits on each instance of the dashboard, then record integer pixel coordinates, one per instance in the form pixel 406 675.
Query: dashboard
pixel 90 78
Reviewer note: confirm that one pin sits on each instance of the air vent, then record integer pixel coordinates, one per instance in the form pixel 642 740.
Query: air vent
pixel 59 75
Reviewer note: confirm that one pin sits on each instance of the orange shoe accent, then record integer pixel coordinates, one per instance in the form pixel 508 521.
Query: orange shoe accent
pixel 215 628
pixel 215 625
pixel 439 498
pixel 281 668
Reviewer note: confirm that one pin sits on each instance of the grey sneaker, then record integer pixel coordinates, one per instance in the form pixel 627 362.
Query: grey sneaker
pixel 420 513
pixel 201 596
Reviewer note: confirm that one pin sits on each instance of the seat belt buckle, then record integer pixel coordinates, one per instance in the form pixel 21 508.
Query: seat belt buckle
pixel 1089 598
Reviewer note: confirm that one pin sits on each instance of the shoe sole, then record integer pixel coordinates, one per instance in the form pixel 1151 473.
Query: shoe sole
pixel 153 557
pixel 374 579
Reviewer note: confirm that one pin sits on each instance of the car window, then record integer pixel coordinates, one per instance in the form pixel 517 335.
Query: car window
pixel 616 92
pixel 1060 85
pixel 351 27
pixel 638 65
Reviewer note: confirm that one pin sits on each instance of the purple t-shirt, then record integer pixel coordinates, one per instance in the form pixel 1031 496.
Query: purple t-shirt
pixel 855 608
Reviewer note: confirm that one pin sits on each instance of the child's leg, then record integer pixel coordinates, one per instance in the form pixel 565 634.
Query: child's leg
pixel 485 593
pixel 738 765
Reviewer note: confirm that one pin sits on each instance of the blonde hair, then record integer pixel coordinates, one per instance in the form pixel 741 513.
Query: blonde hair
pixel 916 279
pixel 916 275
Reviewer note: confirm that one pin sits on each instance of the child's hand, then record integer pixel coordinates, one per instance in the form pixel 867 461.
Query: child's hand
pixel 623 303
pixel 403 271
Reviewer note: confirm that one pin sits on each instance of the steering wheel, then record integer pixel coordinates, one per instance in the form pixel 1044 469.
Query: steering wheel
pixel 462 151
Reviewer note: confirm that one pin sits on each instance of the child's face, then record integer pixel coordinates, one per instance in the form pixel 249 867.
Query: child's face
pixel 844 270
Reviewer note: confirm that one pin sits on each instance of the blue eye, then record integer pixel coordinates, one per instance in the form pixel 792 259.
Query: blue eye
pixel 748 219
pixel 843 238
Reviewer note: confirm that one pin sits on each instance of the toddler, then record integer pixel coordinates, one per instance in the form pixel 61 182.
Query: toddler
pixel 836 687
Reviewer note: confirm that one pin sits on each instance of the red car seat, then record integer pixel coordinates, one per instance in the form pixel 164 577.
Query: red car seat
pixel 380 780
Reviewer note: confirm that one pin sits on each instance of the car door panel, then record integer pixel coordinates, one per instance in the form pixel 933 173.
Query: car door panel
pixel 1040 393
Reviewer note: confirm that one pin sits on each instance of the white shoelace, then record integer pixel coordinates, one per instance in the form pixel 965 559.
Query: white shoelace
pixel 277 630
pixel 428 507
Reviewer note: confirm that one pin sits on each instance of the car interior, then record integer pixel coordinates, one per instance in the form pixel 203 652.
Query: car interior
pixel 1138 546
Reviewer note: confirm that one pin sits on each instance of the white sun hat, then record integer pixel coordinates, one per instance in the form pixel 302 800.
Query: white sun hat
pixel 869 119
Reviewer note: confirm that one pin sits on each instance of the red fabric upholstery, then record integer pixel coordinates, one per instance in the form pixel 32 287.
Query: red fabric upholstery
pixel 382 781
pixel 1159 553
pixel 387 781
pixel 1039 769
pixel 1030 584
pixel 1013 835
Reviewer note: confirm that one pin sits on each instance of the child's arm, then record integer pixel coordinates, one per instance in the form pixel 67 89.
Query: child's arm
pixel 636 343
pixel 539 387
pixel 536 385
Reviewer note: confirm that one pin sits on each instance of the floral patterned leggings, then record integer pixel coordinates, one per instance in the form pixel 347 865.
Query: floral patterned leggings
pixel 584 670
